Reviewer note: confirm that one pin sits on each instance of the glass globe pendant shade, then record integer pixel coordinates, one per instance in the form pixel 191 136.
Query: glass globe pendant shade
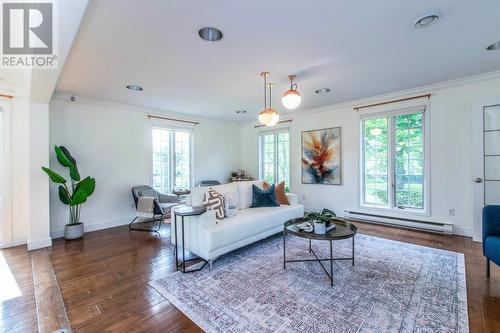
pixel 269 117
pixel 291 99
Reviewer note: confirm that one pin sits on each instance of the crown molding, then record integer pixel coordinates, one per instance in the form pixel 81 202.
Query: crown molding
pixel 65 96
pixel 388 96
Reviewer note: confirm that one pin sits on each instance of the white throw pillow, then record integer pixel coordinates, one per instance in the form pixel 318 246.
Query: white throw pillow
pixel 214 201
pixel 231 204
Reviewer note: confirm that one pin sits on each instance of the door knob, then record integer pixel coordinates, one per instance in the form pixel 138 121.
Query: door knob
pixel 478 180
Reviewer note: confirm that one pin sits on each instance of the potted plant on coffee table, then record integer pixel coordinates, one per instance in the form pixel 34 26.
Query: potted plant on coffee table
pixel 72 193
pixel 320 220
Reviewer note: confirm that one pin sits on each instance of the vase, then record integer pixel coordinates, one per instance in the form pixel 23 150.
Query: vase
pixel 319 228
pixel 73 231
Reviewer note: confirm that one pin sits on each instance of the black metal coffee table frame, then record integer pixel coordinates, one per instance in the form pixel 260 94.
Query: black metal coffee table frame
pixel 183 211
pixel 349 231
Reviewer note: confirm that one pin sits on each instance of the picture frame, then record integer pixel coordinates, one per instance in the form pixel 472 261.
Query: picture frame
pixel 321 156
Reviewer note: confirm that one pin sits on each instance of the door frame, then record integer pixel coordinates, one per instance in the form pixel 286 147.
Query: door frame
pixel 477 157
pixel 6 154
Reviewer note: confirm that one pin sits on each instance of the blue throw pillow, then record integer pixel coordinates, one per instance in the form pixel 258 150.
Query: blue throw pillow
pixel 263 198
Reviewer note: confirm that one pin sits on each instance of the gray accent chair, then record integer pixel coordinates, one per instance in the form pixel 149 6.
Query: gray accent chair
pixel 163 204
pixel 205 183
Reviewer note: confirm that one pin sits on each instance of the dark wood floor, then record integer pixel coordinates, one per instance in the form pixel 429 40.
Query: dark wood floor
pixel 104 281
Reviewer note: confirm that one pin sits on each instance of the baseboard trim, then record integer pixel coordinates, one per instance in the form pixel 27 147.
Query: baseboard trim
pixel 96 226
pixel 462 231
pixel 14 243
pixel 457 230
pixel 39 243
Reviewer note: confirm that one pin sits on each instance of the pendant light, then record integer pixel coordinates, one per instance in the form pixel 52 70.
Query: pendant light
pixel 268 116
pixel 291 98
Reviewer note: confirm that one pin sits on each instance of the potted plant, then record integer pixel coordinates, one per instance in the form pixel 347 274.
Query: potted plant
pixel 320 219
pixel 73 194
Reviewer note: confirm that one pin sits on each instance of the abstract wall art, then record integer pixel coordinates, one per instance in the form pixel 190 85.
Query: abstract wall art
pixel 321 156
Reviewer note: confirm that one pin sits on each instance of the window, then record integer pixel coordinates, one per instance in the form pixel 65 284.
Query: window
pixel 275 157
pixel 393 161
pixel 171 159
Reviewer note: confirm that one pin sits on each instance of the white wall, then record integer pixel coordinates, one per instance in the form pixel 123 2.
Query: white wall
pixel 112 143
pixel 39 233
pixel 20 170
pixel 450 140
pixel 29 203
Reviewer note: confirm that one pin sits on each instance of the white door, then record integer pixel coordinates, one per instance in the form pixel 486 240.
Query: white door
pixel 486 158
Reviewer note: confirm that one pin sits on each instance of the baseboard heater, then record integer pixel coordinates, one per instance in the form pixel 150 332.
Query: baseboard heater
pixel 443 228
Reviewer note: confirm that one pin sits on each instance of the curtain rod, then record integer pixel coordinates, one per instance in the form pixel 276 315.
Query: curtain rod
pixel 279 122
pixel 9 97
pixel 393 101
pixel 173 119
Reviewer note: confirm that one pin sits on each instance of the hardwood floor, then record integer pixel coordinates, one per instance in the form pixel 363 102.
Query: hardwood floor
pixel 104 278
pixel 17 301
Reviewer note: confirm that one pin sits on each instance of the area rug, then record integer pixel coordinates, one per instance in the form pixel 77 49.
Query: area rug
pixel 393 287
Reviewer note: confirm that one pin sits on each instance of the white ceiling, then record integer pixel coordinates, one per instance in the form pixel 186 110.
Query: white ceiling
pixel 355 48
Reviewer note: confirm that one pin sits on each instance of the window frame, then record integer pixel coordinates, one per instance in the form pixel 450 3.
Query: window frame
pixel 274 132
pixel 172 130
pixel 391 163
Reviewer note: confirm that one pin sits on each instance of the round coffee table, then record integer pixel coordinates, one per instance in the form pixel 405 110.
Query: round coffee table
pixel 343 230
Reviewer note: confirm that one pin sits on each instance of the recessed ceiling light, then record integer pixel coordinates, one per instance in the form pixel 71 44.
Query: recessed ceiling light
pixel 134 87
pixel 493 47
pixel 210 34
pixel 322 91
pixel 241 111
pixel 426 19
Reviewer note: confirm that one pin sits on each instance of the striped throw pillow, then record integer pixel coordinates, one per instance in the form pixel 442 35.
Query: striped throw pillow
pixel 214 201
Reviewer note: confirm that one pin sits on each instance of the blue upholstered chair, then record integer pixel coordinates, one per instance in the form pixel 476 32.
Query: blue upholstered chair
pixel 491 235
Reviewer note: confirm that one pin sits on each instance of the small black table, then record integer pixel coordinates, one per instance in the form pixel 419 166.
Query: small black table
pixel 183 211
pixel 342 230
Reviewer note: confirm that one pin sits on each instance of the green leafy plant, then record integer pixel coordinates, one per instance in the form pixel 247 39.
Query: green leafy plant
pixel 325 216
pixel 77 191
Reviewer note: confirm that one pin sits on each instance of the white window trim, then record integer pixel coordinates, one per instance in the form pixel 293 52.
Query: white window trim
pixel 391 208
pixel 172 152
pixel 261 150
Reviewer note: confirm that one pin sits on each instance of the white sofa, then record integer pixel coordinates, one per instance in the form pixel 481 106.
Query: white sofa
pixel 209 238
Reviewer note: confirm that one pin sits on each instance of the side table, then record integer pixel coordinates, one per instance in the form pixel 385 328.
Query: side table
pixel 183 211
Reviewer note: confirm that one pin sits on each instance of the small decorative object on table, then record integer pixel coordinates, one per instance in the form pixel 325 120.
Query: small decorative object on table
pixel 238 176
pixel 306 227
pixel 322 221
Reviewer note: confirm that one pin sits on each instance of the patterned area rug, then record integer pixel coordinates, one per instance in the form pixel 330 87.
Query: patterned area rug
pixel 393 287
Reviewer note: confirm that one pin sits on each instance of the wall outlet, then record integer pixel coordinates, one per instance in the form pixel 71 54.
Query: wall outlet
pixel 303 197
pixel 451 212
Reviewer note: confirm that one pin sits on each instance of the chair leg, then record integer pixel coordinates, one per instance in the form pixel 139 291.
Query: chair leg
pixel 487 267
pixel 157 229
